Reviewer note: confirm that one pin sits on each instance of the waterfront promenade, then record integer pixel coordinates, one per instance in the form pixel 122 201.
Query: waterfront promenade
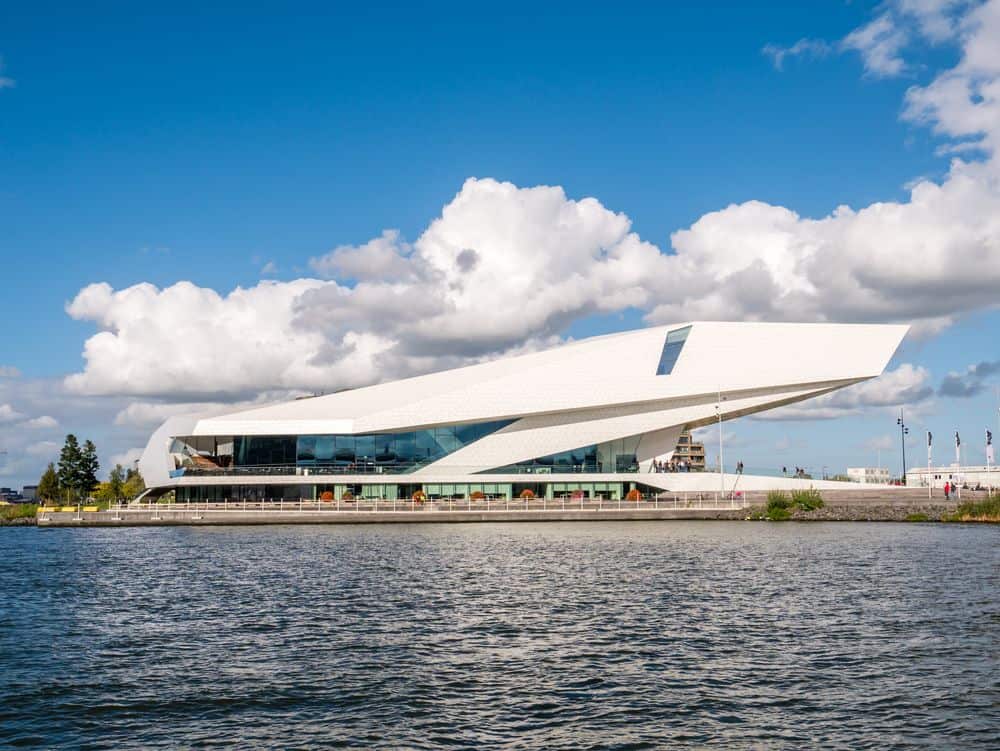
pixel 846 505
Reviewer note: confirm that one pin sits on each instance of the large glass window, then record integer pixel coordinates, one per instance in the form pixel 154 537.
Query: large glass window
pixel 672 347
pixel 611 456
pixel 379 452
pixel 264 450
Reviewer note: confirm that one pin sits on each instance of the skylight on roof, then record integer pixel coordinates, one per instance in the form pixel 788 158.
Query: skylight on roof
pixel 672 347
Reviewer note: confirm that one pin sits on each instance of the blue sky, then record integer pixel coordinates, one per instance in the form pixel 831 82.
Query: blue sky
pixel 204 143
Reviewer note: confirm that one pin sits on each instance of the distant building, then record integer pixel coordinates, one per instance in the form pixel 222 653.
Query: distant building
pixel 30 492
pixel 869 475
pixel 968 475
pixel 690 451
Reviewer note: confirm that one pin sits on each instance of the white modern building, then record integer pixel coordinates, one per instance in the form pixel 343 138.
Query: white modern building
pixel 869 475
pixel 971 476
pixel 587 418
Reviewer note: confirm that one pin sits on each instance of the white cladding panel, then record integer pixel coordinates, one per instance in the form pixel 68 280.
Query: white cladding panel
pixel 599 372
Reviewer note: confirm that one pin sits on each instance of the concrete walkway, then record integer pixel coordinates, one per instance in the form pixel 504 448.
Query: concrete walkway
pixel 868 504
pixel 180 516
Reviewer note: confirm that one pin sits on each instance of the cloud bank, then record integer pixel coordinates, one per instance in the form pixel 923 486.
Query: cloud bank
pixel 506 268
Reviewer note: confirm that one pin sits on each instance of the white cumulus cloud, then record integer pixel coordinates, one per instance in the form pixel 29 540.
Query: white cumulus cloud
pixel 906 384
pixel 879 44
pixel 191 340
pixel 9 414
pixel 49 450
pixel 126 458
pixel 507 268
pixel 42 422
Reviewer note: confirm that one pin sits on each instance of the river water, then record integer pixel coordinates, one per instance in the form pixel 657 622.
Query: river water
pixel 549 636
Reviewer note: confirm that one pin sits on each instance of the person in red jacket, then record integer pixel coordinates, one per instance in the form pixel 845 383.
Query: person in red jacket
pixel 947 490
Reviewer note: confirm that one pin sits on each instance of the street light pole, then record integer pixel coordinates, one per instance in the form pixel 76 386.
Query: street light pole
pixel 903 430
pixel 722 476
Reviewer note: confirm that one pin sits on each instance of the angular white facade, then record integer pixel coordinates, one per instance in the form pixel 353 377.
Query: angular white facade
pixel 600 410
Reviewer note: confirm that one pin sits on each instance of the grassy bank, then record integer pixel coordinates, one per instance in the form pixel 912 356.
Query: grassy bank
pixel 781 506
pixel 987 510
pixel 18 514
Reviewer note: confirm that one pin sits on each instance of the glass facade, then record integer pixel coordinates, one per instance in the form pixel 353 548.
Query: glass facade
pixel 672 347
pixel 382 452
pixel 611 456
pixel 353 492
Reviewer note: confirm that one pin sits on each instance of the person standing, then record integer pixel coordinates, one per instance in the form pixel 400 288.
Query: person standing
pixel 947 490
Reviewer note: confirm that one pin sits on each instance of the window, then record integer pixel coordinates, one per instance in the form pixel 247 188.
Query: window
pixel 612 456
pixel 672 347
pixel 383 452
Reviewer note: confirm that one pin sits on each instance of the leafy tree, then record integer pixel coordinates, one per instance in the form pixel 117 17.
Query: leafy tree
pixel 116 482
pixel 105 493
pixel 134 484
pixel 70 462
pixel 48 486
pixel 88 467
pixel 78 467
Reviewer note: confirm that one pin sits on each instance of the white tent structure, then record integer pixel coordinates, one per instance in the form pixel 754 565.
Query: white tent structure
pixel 593 414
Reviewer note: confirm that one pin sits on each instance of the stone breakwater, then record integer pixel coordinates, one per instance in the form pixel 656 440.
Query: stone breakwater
pixel 21 521
pixel 887 512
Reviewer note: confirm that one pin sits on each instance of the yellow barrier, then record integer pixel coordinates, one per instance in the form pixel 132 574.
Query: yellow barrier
pixel 46 509
pixel 90 508
pixel 67 508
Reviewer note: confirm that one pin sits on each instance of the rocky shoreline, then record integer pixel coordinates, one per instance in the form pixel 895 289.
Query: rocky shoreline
pixel 22 521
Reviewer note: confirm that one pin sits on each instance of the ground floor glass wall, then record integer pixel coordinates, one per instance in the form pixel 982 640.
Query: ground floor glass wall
pixel 406 491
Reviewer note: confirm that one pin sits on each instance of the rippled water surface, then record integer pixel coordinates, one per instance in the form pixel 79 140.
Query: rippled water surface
pixel 549 636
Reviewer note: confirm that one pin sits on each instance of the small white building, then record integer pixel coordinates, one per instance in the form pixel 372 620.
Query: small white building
pixel 967 475
pixel 869 475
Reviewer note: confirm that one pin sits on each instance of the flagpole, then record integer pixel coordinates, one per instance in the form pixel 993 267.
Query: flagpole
pixel 958 460
pixel 929 476
pixel 989 460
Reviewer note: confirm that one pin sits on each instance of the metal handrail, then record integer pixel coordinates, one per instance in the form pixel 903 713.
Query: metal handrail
pixel 677 501
pixel 287 470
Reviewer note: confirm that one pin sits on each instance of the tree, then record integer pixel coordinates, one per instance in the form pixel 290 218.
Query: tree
pixel 70 459
pixel 48 486
pixel 105 493
pixel 78 467
pixel 88 467
pixel 116 482
pixel 134 484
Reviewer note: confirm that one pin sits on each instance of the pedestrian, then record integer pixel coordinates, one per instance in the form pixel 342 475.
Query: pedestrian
pixel 947 490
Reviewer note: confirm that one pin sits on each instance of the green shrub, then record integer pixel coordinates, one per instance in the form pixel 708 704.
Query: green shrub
pixel 777 499
pixel 986 510
pixel 919 517
pixel 778 513
pixel 807 500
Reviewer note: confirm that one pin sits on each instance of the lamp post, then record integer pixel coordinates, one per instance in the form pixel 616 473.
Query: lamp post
pixel 903 430
pixel 722 476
